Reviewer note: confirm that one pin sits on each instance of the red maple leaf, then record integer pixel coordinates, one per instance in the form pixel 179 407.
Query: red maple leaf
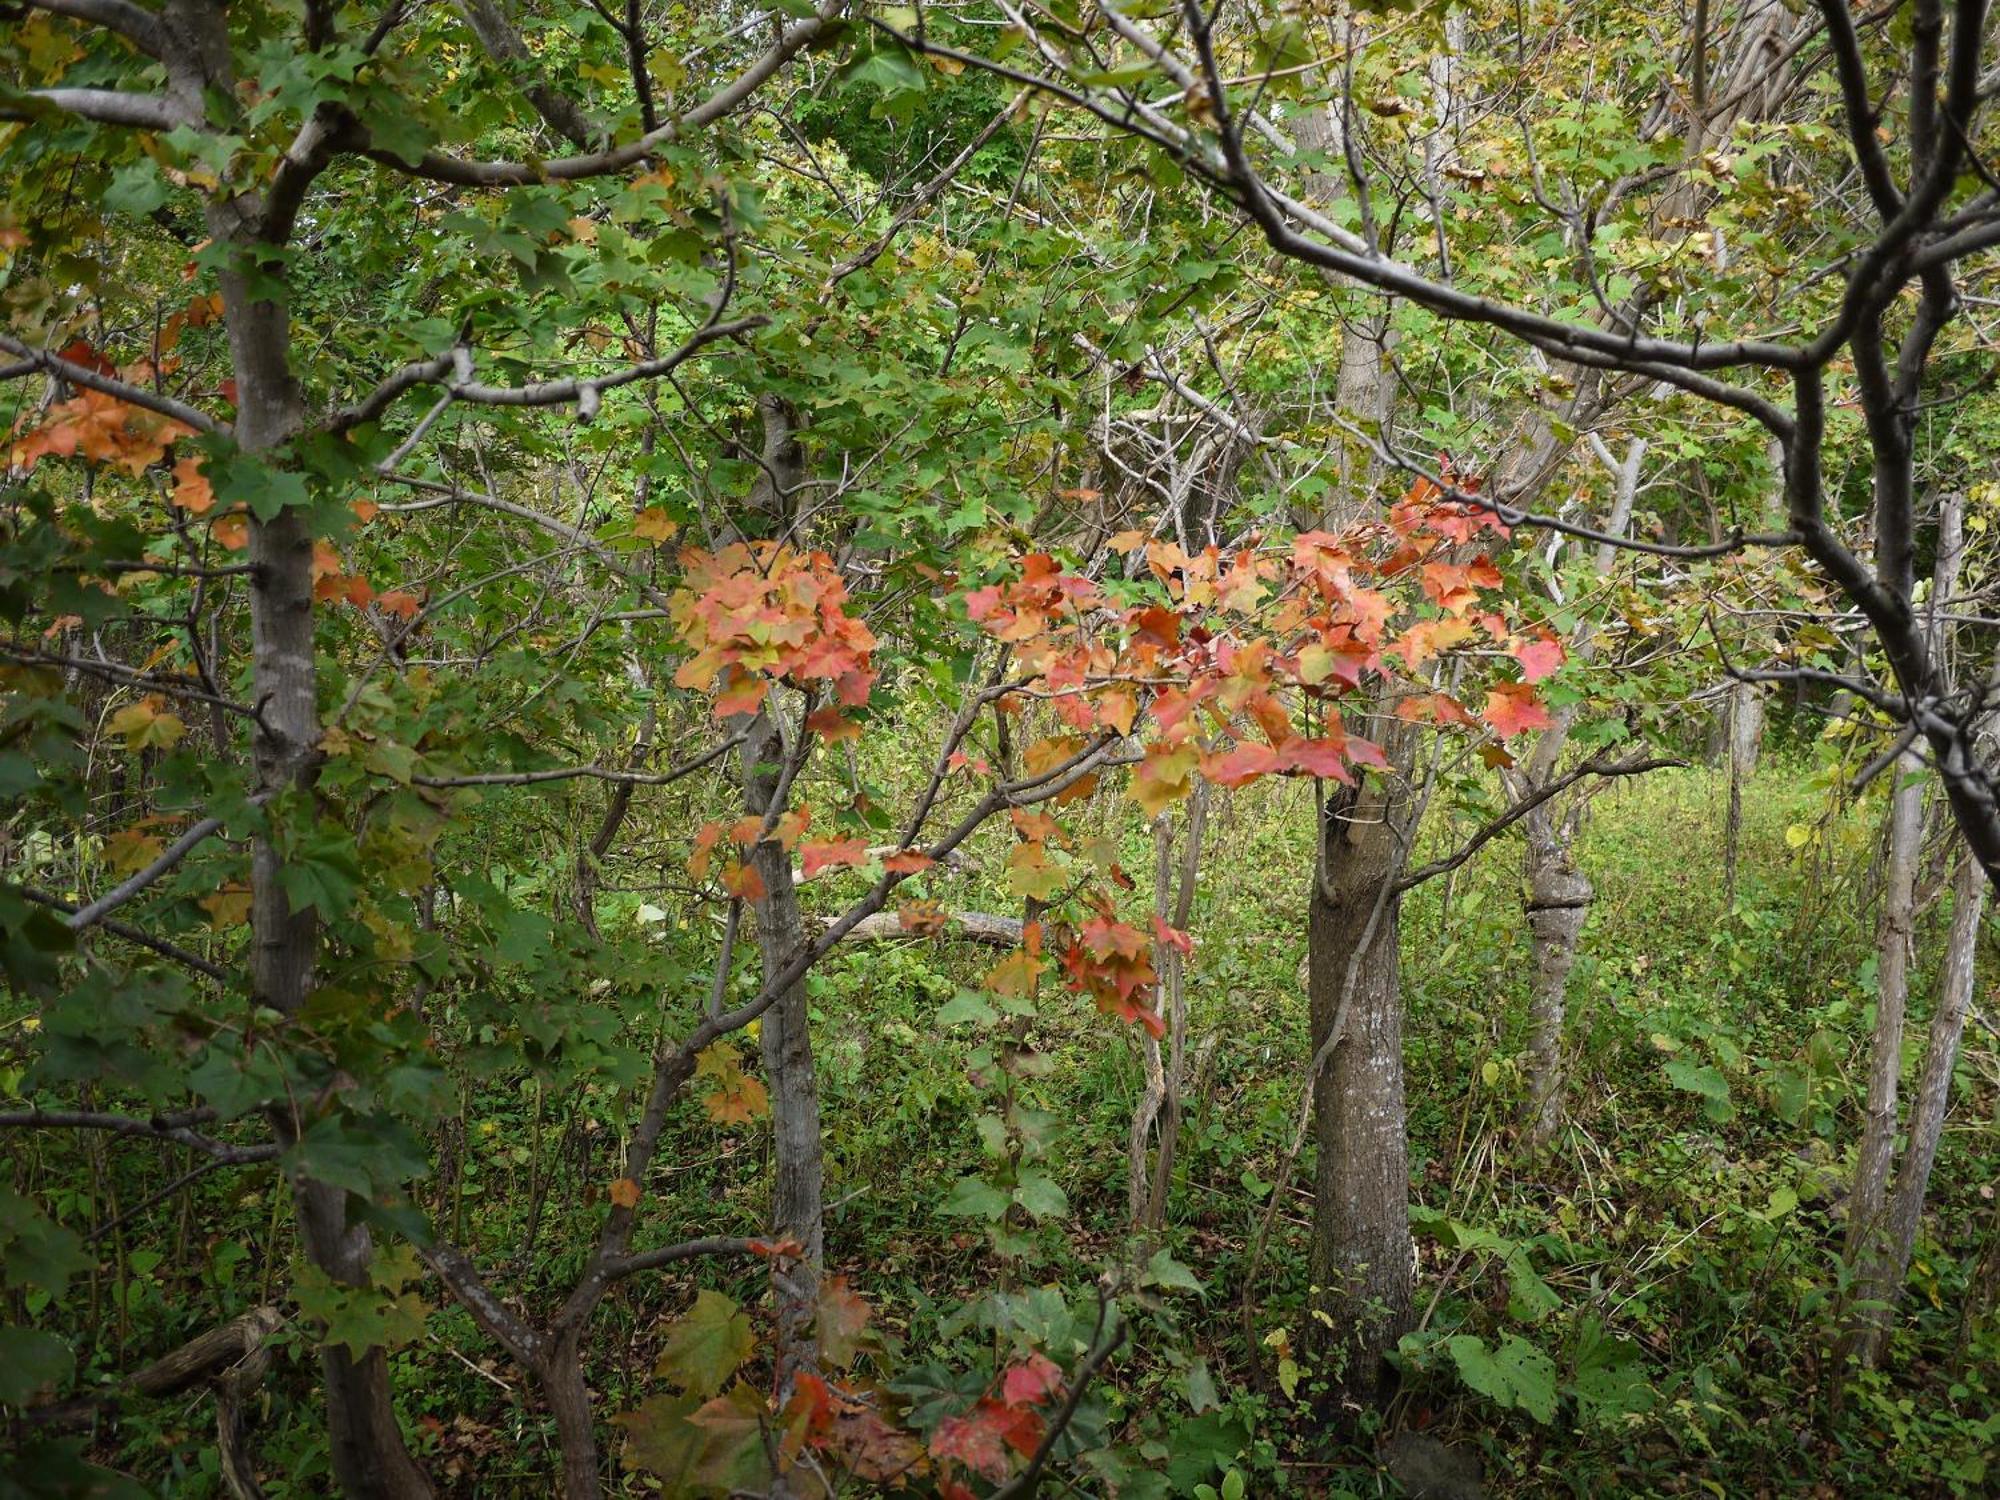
pixel 1512 708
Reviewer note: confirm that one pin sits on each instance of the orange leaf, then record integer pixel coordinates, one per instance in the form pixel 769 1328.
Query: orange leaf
pixel 833 854
pixel 625 1193
pixel 1512 708
pixel 191 488
pixel 743 882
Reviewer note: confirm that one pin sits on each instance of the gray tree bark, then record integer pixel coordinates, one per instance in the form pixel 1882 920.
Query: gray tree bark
pixel 369 1457
pixel 798 1163
pixel 1892 995
pixel 1881 1279
pixel 1363 1260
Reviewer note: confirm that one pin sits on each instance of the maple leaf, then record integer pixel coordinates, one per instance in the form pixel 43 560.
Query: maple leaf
pixel 743 882
pixel 737 1098
pixel 399 602
pixel 147 724
pixel 1031 1382
pixel 1163 777
pixel 1172 937
pixel 831 725
pixel 1513 708
pixel 922 918
pixel 907 862
pixel 231 532
pixel 1016 976
pixel 624 1192
pixel 839 1320
pixel 191 491
pixel 1539 658
pixel 227 907
pixel 869 1448
pixel 980 1439
pixel 1241 765
pixel 1325 758
pixel 833 854
pixel 706 1345
pixel 1031 875
pixel 654 525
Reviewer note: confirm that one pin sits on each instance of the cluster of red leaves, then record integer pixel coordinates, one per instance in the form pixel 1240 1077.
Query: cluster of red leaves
pixel 1112 962
pixel 105 430
pixel 333 583
pixel 1243 640
pixel 982 1438
pixel 755 613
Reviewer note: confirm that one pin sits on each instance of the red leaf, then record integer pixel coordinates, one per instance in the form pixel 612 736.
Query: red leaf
pixel 831 725
pixel 1031 1382
pixel 980 1439
pixel 833 854
pixel 907 862
pixel 1323 758
pixel 1240 766
pixel 1512 708
pixel 1539 658
pixel 1172 937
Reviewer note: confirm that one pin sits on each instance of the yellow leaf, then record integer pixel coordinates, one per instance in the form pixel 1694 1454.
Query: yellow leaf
pixel 1163 778
pixel 653 524
pixel 129 851
pixel 228 907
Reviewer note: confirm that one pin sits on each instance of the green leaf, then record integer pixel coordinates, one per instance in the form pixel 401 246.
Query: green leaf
pixel 977 1198
pixel 1610 1380
pixel 1038 1194
pixel 1517 1375
pixel 1164 1271
pixel 31 1361
pixel 966 1006
pixel 705 1347
pixel 1698 1078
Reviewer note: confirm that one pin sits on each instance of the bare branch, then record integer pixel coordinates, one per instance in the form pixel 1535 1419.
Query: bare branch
pixel 132 934
pixel 130 21
pixel 1527 804
pixel 723 101
pixel 90 380
pixel 160 1127
pixel 99 106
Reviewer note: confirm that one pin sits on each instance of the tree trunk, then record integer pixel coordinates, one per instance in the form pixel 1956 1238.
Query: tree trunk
pixel 1558 904
pixel 370 1460
pixel 1555 895
pixel 1362 1256
pixel 1892 993
pixel 560 1375
pixel 1881 1280
pixel 798 1166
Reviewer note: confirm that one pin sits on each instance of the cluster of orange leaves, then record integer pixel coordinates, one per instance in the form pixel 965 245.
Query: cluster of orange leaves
pixel 103 429
pixel 1240 637
pixel 755 613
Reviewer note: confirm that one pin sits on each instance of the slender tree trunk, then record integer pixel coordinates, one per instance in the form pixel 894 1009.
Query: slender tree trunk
pixel 1558 904
pixel 1881 1278
pixel 1555 895
pixel 798 1165
pixel 560 1374
pixel 1148 1185
pixel 369 1457
pixel 1892 992
pixel 1362 1255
